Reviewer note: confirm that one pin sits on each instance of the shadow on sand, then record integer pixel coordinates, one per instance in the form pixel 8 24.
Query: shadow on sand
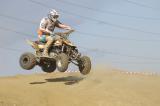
pixel 69 80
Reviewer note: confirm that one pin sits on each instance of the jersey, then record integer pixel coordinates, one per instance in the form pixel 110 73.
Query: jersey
pixel 48 25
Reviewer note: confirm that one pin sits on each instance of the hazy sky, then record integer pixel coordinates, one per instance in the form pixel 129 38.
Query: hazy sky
pixel 122 33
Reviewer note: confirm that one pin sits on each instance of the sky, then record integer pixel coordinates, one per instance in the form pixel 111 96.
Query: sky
pixel 123 34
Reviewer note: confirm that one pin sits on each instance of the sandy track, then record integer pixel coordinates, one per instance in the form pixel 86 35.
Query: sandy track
pixel 100 88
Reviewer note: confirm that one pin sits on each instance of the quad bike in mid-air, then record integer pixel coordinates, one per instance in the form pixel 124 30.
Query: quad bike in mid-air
pixel 61 53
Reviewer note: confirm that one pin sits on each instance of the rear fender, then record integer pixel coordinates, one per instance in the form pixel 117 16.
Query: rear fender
pixel 35 45
pixel 41 46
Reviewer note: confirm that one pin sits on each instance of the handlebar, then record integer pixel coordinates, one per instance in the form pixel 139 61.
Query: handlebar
pixel 62 34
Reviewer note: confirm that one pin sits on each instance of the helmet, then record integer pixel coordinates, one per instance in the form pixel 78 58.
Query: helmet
pixel 53 15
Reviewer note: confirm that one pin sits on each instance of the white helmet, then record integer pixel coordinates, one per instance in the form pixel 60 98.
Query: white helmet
pixel 53 15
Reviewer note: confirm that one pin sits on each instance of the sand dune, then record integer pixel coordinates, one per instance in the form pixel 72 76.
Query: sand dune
pixel 99 88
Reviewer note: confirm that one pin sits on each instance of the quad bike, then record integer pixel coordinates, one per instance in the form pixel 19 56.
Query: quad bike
pixel 61 53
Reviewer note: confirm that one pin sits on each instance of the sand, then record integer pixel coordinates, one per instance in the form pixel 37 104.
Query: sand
pixel 99 88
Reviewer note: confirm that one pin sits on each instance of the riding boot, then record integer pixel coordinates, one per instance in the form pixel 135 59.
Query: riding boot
pixel 46 48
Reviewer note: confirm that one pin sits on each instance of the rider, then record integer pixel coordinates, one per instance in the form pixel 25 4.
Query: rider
pixel 47 26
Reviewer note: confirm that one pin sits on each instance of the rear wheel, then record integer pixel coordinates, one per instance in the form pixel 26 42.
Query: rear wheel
pixel 27 61
pixel 84 65
pixel 62 62
pixel 49 66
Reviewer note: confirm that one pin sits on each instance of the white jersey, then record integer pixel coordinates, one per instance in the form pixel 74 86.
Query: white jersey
pixel 48 25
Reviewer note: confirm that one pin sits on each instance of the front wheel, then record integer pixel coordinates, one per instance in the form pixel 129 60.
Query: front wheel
pixel 84 65
pixel 62 62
